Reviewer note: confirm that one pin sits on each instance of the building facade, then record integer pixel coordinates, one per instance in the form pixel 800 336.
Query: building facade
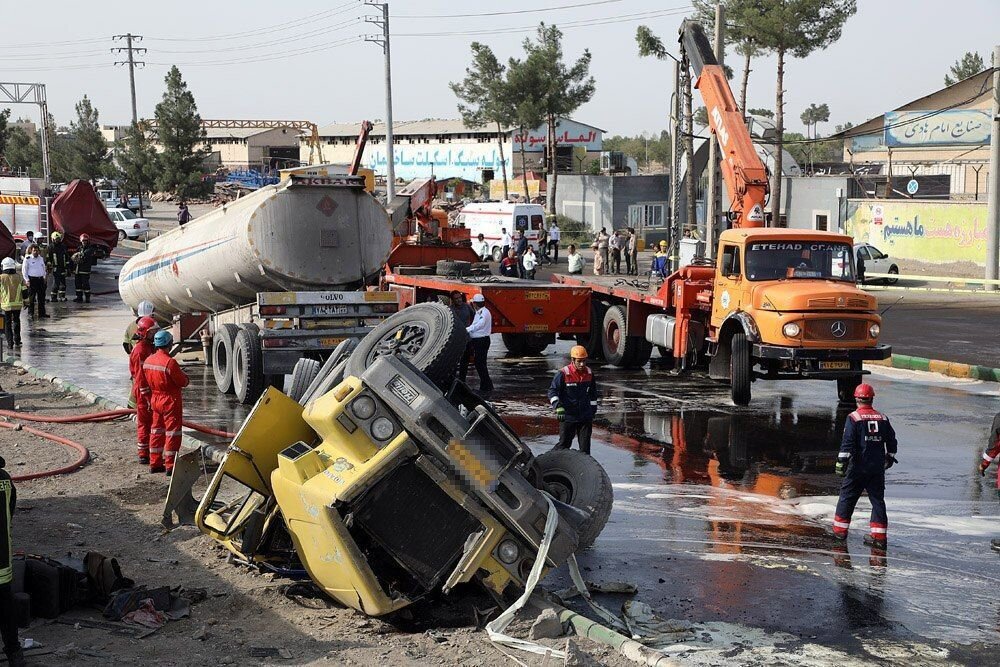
pixel 614 202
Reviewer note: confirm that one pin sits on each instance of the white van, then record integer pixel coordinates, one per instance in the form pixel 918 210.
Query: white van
pixel 489 218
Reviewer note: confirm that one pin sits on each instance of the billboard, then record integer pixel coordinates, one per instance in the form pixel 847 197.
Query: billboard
pixel 568 132
pixel 957 127
pixel 467 162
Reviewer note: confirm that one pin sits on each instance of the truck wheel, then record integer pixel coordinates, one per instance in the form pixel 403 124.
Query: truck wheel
pixel 641 352
pixel 448 267
pixel 427 335
pixel 592 340
pixel 303 374
pixel 619 348
pixel 846 387
pixel 222 357
pixel 248 365
pixel 577 479
pixel 514 343
pixel 497 254
pixel 894 271
pixel 524 345
pixel 740 369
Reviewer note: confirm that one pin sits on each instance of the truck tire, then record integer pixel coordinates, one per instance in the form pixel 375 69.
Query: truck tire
pixel 303 374
pixel 523 345
pixel 427 335
pixel 619 348
pixel 846 387
pixel 592 340
pixel 497 254
pixel 222 357
pixel 740 369
pixel 447 267
pixel 248 365
pixel 331 373
pixel 577 479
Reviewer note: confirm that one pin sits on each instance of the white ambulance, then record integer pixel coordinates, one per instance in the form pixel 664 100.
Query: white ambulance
pixel 490 218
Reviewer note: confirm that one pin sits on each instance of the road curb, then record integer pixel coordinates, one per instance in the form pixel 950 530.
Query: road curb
pixel 949 368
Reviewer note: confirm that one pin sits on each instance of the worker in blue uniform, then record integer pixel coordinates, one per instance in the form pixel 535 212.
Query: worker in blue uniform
pixel 573 394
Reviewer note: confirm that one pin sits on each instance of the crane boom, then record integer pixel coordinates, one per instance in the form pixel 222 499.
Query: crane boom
pixel 744 172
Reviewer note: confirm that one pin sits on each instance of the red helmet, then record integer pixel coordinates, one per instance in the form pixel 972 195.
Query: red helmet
pixel 864 391
pixel 145 325
pixel 84 237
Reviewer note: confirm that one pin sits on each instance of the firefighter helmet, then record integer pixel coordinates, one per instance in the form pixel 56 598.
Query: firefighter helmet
pixel 145 325
pixel 864 392
pixel 163 338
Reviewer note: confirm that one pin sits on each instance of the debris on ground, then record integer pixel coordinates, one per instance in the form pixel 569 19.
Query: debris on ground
pixel 547 625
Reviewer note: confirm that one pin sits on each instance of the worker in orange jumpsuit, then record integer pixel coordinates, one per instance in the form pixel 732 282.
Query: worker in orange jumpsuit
pixel 165 379
pixel 142 347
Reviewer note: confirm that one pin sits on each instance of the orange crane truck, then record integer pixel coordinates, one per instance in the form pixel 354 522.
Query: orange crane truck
pixel 775 304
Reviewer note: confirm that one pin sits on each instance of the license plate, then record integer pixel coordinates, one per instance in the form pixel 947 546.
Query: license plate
pixel 835 365
pixel 331 342
pixel 331 310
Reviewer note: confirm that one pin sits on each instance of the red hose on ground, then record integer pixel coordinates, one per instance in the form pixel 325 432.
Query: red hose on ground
pixel 66 442
pixel 108 415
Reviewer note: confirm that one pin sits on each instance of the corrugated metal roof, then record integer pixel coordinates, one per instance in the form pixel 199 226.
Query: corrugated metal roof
pixel 430 126
pixel 233 133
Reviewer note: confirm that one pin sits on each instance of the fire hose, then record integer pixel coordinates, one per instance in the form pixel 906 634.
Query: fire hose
pixel 84 453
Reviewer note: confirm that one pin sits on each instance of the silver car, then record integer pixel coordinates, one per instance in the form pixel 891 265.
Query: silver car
pixel 875 261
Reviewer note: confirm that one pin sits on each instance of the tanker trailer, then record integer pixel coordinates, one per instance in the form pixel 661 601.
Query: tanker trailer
pixel 270 278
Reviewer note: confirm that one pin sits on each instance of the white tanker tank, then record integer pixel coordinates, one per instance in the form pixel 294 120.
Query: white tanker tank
pixel 300 235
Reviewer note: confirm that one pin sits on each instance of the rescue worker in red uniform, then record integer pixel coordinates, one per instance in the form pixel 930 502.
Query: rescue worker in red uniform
pixel 868 449
pixel 991 454
pixel 142 348
pixel 573 394
pixel 164 377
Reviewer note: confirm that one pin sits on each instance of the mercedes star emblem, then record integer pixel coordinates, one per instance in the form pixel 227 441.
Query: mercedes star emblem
pixel 838 329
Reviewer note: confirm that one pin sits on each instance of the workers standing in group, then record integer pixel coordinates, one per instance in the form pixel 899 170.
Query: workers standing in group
pixel 8 616
pixel 142 350
pixel 661 262
pixel 36 278
pixel 165 379
pixel 573 394
pixel 991 454
pixel 479 344
pixel 11 300
pixel 84 259
pixel 144 309
pixel 868 449
pixel 58 264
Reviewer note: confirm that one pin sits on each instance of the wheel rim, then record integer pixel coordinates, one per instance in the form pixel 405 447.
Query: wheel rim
pixel 613 334
pixel 406 341
pixel 558 485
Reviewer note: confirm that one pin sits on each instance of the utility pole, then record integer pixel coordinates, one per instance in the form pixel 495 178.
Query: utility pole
pixel 132 64
pixel 993 210
pixel 383 41
pixel 713 197
pixel 675 164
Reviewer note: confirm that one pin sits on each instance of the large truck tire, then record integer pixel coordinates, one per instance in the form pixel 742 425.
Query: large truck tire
pixel 248 365
pixel 454 268
pixel 619 348
pixel 577 479
pixel 521 345
pixel 846 387
pixel 592 339
pixel 741 369
pixel 428 335
pixel 222 357
pixel 304 372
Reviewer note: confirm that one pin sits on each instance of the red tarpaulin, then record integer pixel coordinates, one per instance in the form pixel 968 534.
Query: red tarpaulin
pixel 7 246
pixel 77 210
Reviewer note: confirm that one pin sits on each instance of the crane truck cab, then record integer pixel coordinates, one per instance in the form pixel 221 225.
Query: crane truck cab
pixel 785 305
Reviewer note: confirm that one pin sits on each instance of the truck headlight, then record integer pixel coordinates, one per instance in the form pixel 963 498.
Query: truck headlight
pixel 791 330
pixel 508 552
pixel 363 407
pixel 874 330
pixel 382 428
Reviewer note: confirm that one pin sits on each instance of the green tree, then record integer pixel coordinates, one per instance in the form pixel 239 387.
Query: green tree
pixel 89 151
pixel 182 137
pixel 136 160
pixel 484 97
pixel 737 34
pixel 23 152
pixel 813 115
pixel 5 131
pixel 526 87
pixel 766 113
pixel 793 28
pixel 564 89
pixel 968 65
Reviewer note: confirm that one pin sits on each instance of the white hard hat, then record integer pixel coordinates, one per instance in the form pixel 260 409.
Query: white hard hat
pixel 479 298
pixel 8 263
pixel 145 309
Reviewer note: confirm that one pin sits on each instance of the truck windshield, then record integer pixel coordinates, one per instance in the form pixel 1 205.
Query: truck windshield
pixel 778 260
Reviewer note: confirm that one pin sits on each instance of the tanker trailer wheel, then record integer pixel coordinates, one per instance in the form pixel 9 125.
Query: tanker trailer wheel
pixel 248 365
pixel 577 479
pixel 522 345
pixel 427 335
pixel 740 369
pixel 303 374
pixel 222 357
pixel 592 339
pixel 619 348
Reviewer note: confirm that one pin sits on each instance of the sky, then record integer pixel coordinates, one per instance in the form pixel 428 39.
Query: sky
pixel 306 60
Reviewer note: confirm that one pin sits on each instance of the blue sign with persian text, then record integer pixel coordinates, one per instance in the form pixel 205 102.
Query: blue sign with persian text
pixel 957 127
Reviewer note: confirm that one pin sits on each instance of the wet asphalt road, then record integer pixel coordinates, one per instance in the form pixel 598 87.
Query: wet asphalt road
pixel 721 513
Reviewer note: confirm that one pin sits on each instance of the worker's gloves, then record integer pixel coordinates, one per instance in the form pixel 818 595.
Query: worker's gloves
pixel 841 468
pixel 890 461
pixel 983 465
pixel 561 413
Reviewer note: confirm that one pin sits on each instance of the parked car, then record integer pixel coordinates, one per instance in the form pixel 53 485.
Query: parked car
pixel 128 223
pixel 111 199
pixel 876 261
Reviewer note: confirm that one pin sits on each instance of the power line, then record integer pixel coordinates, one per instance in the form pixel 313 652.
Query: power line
pixel 132 64
pixel 280 27
pixel 517 11
pixel 258 45
pixel 266 58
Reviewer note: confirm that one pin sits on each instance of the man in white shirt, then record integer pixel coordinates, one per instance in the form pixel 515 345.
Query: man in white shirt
pixel 554 235
pixel 575 260
pixel 505 242
pixel 481 248
pixel 34 273
pixel 479 344
pixel 529 261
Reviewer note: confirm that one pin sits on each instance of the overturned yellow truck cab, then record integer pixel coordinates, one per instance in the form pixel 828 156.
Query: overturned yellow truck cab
pixel 387 488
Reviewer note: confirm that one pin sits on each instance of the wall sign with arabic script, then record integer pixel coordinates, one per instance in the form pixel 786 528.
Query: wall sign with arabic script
pixel 958 127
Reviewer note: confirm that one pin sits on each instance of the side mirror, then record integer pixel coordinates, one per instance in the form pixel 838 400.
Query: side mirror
pixel 885 256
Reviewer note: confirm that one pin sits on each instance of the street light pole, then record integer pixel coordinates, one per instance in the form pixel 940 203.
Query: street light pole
pixel 993 210
pixel 383 41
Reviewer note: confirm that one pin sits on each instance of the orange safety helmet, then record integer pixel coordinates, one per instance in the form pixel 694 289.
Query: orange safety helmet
pixel 145 326
pixel 864 392
pixel 578 352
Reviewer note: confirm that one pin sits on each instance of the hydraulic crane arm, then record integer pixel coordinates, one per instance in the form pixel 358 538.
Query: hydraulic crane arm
pixel 742 169
pixel 359 147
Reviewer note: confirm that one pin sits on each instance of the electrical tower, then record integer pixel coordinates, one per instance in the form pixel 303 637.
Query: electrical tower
pixel 131 62
pixel 383 41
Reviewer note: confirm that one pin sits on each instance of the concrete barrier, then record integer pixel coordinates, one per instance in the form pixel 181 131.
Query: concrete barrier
pixel 949 368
